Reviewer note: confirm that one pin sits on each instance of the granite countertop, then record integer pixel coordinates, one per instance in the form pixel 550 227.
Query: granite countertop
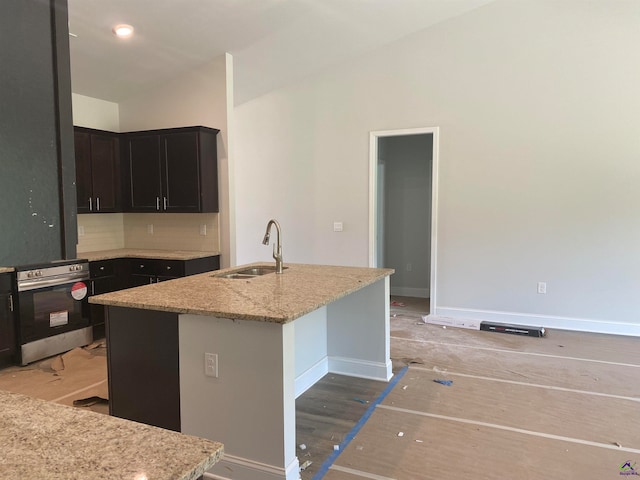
pixel 45 440
pixel 278 298
pixel 145 253
pixel 6 269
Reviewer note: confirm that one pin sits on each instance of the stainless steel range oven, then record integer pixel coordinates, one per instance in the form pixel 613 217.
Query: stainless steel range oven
pixel 52 308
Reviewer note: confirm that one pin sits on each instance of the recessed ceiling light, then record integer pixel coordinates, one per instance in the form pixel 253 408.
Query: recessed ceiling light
pixel 123 30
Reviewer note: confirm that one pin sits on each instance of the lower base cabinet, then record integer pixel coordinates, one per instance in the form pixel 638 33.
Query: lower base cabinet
pixel 7 332
pixel 120 273
pixel 140 390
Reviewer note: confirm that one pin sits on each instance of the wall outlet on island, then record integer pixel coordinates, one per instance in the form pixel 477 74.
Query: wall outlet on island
pixel 150 229
pixel 211 365
pixel 203 229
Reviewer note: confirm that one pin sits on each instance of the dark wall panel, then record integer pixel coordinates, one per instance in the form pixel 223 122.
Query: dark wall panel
pixel 31 227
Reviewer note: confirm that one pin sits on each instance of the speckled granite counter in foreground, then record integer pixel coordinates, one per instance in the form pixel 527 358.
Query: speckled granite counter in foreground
pixel 6 269
pixel 268 298
pixel 145 253
pixel 44 440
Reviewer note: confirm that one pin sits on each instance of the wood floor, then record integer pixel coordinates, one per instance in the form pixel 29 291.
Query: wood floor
pixel 565 406
pixel 561 407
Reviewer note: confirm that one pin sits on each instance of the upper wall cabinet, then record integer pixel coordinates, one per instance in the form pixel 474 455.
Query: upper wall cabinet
pixel 98 186
pixel 171 170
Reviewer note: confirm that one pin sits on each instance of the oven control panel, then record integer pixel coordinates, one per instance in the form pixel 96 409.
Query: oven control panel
pixel 49 273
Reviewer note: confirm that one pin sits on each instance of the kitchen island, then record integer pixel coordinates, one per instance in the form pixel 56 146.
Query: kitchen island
pixel 44 440
pixel 223 356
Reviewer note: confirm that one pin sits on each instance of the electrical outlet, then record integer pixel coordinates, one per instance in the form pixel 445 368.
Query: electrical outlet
pixel 409 267
pixel 80 231
pixel 211 365
pixel 150 229
pixel 542 287
pixel 337 226
pixel 203 229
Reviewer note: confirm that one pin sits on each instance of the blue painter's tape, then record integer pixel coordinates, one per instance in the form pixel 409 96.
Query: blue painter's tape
pixel 324 468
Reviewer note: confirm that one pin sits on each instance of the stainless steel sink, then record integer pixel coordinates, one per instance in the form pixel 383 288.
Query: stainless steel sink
pixel 255 271
pixel 247 272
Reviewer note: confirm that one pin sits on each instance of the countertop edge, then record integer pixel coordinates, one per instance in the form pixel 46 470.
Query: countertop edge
pixel 98 255
pixel 269 318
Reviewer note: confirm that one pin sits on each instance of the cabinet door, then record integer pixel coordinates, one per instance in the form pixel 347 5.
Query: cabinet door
pixel 7 336
pixel 7 332
pixel 84 190
pixel 104 168
pixel 143 154
pixel 181 173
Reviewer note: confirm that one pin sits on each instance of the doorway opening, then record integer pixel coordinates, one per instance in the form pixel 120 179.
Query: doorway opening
pixel 403 179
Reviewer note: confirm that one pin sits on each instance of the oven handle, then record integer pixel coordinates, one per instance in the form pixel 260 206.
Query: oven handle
pixel 26 285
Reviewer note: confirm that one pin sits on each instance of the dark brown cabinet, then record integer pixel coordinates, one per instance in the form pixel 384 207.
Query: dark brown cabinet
pixel 142 390
pixel 120 273
pixel 104 278
pixel 98 183
pixel 171 170
pixel 7 332
pixel 143 271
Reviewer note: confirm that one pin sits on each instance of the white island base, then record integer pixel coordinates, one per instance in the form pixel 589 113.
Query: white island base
pixel 263 367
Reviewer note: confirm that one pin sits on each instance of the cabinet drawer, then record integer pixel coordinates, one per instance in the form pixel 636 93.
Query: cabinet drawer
pixel 104 268
pixel 143 266
pixel 170 268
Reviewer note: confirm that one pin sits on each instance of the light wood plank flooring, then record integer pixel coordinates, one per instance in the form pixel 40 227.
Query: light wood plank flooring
pixel 563 406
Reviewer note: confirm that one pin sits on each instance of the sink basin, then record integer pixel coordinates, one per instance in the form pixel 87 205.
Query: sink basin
pixel 255 271
pixel 248 272
pixel 233 275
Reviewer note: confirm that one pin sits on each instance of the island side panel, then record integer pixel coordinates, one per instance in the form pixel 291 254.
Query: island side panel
pixel 311 349
pixel 358 333
pixel 142 358
pixel 250 406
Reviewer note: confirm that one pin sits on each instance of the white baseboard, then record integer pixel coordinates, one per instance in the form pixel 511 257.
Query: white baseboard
pixel 410 292
pixel 237 468
pixel 453 322
pixel 309 377
pixel 361 368
pixel 547 321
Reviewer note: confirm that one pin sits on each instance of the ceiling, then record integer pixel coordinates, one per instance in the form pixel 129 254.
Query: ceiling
pixel 273 42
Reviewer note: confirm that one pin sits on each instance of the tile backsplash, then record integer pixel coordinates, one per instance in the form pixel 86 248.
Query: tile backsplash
pixel 104 231
pixel 164 231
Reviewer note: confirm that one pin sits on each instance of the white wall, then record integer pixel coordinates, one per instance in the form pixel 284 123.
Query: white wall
pixel 537 103
pixel 95 113
pixel 199 97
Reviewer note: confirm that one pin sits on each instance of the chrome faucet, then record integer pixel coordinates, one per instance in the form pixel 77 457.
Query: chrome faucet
pixel 277 247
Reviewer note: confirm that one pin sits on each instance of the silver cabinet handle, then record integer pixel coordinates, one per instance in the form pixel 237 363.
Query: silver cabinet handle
pixel 90 204
pixel 93 287
pixel 97 204
pixel 11 302
pixel 157 203
pixel 165 202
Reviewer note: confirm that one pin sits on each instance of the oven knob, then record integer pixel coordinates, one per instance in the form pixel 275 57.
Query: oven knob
pixel 39 273
pixel 30 274
pixel 73 268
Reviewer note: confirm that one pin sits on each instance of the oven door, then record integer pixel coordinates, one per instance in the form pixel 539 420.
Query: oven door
pixel 50 310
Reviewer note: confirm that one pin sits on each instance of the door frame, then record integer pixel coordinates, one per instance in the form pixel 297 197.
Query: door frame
pixel 373 193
